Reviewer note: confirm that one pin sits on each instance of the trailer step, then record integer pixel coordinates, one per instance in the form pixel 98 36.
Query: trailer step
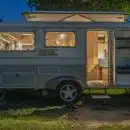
pixel 100 96
pixel 100 102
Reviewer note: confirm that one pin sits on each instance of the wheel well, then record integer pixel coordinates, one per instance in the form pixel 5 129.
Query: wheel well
pixel 72 81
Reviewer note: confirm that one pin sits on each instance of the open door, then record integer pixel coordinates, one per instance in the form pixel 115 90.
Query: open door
pixel 97 58
pixel 122 57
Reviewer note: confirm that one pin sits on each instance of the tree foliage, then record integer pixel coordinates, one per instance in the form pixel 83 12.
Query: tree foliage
pixel 85 5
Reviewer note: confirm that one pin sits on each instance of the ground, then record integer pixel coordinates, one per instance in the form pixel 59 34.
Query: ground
pixel 48 114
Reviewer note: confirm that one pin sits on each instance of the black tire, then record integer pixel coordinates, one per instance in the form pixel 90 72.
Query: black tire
pixel 75 87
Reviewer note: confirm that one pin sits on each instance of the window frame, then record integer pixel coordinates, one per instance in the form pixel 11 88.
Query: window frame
pixel 18 30
pixel 60 30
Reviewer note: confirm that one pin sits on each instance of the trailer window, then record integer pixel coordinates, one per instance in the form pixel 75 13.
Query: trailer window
pixel 60 39
pixel 16 41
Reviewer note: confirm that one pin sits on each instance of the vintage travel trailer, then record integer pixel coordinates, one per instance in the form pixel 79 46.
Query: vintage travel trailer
pixel 64 52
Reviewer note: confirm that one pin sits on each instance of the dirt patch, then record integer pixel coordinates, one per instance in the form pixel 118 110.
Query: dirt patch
pixel 113 115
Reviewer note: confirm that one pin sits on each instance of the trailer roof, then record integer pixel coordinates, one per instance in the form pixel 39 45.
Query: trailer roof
pixel 75 12
pixel 75 16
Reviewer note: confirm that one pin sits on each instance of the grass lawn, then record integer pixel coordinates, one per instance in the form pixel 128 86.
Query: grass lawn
pixel 16 124
pixel 111 91
pixel 53 118
pixel 21 119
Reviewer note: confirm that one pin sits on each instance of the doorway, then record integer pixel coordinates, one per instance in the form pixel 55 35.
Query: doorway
pixel 97 58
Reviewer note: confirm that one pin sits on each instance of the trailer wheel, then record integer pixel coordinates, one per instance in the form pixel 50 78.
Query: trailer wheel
pixel 68 91
pixel 2 95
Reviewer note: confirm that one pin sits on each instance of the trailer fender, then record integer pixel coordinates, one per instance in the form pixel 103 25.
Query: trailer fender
pixel 53 83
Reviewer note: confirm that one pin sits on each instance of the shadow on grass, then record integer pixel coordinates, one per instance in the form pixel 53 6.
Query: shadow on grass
pixel 51 109
pixel 23 100
pixel 50 113
pixel 119 101
pixel 23 105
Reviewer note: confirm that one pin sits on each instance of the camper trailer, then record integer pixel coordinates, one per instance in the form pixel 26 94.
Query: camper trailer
pixel 64 52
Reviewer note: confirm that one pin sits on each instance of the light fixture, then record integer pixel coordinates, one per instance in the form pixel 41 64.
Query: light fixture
pixel 62 36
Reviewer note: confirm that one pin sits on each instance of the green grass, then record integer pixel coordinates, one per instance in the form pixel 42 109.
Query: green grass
pixel 53 118
pixel 25 119
pixel 41 123
pixel 111 91
pixel 58 125
pixel 44 123
pixel 24 124
pixel 29 119
pixel 119 98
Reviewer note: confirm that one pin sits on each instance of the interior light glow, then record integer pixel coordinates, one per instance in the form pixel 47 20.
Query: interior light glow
pixel 62 36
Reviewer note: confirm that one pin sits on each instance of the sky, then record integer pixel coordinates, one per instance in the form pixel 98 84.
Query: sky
pixel 12 9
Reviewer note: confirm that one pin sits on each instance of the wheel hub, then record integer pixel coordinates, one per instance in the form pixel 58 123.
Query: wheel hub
pixel 68 92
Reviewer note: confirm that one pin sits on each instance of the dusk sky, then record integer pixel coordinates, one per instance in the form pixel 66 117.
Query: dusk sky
pixel 12 9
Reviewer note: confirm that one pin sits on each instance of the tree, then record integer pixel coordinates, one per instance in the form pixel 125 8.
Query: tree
pixel 86 5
